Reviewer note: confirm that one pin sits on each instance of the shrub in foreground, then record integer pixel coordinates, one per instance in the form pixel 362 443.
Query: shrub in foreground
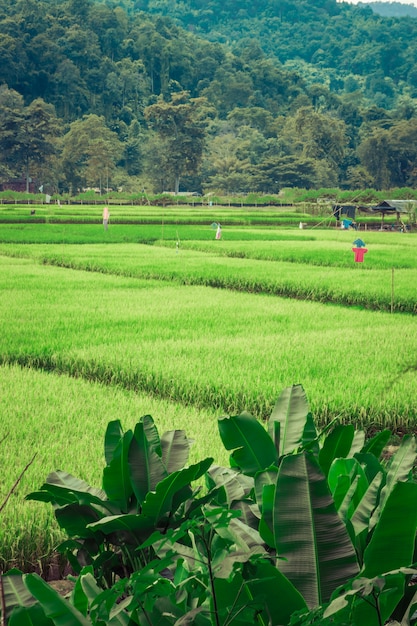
pixel 304 527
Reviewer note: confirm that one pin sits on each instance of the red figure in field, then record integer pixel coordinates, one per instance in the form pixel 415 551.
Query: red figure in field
pixel 359 254
pixel 359 251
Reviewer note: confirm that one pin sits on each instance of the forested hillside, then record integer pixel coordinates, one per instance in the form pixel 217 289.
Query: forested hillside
pixel 392 9
pixel 229 96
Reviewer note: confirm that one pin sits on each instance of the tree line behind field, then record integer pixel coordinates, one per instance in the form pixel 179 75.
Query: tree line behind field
pixel 206 96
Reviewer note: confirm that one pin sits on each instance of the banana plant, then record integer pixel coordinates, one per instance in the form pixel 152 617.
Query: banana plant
pixel 145 488
pixel 323 499
pixel 303 526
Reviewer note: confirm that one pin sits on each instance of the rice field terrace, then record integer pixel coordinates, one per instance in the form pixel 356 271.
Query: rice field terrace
pixel 160 318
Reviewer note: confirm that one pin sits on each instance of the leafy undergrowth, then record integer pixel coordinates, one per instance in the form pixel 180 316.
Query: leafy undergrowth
pixel 151 546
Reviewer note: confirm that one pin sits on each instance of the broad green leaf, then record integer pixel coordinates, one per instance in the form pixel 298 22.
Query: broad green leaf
pixel 266 522
pixel 55 606
pixel 274 431
pixel 309 439
pixel 392 542
pixel 362 515
pixel 265 483
pixel 89 587
pixel 29 616
pixel 131 528
pixel 354 489
pixel 114 433
pixel 234 485
pixel 291 411
pixel 399 469
pixel 370 601
pixel 145 465
pixel 277 595
pixel 262 479
pixel 402 462
pixel 357 443
pixel 253 448
pixel 242 535
pixel 116 475
pixel 336 445
pixel 74 519
pixel 376 444
pixel 341 467
pixel 79 598
pixel 159 502
pixel 14 591
pixel 390 589
pixel 62 488
pixel 233 602
pixel 118 615
pixel 151 433
pixel 175 450
pixel 339 491
pixel 308 531
pixel 370 464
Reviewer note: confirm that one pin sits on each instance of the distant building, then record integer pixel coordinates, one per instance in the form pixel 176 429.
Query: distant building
pixel 391 207
pixel 19 184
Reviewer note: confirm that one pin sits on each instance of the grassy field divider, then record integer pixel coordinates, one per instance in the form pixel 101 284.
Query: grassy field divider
pixel 282 288
pixel 206 396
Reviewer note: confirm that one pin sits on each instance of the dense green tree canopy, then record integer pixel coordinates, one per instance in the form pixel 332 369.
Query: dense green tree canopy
pixel 280 92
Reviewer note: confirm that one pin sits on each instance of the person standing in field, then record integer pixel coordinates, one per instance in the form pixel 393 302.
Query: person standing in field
pixel 219 232
pixel 106 217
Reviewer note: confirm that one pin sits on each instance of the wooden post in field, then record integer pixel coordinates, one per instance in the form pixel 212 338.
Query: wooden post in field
pixel 392 290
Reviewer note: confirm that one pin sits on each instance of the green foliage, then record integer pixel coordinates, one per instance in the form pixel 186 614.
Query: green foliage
pixel 298 94
pixel 304 525
pixel 140 496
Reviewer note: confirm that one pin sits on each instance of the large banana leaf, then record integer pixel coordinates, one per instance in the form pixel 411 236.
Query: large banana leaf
pixel 254 450
pixel 114 433
pixel 347 499
pixel 291 411
pixel 166 498
pixel 62 488
pixel 14 593
pixel 74 519
pixel 91 592
pixel 392 542
pixel 54 605
pixel 399 469
pixel 175 450
pixel 145 464
pixel 265 483
pixel 128 528
pixel 116 475
pixel 157 505
pixel 277 595
pixel 231 603
pixel 29 616
pixel 377 443
pixel 336 445
pixel 236 485
pixel 308 531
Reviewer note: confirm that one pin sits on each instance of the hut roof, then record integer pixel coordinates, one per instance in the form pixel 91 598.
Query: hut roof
pixel 394 206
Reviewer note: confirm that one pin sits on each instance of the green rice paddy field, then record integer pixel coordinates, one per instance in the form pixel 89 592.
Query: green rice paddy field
pixel 157 317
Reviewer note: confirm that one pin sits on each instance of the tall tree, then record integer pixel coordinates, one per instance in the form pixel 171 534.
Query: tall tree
pixel 319 136
pixel 180 125
pixel 90 153
pixel 27 134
